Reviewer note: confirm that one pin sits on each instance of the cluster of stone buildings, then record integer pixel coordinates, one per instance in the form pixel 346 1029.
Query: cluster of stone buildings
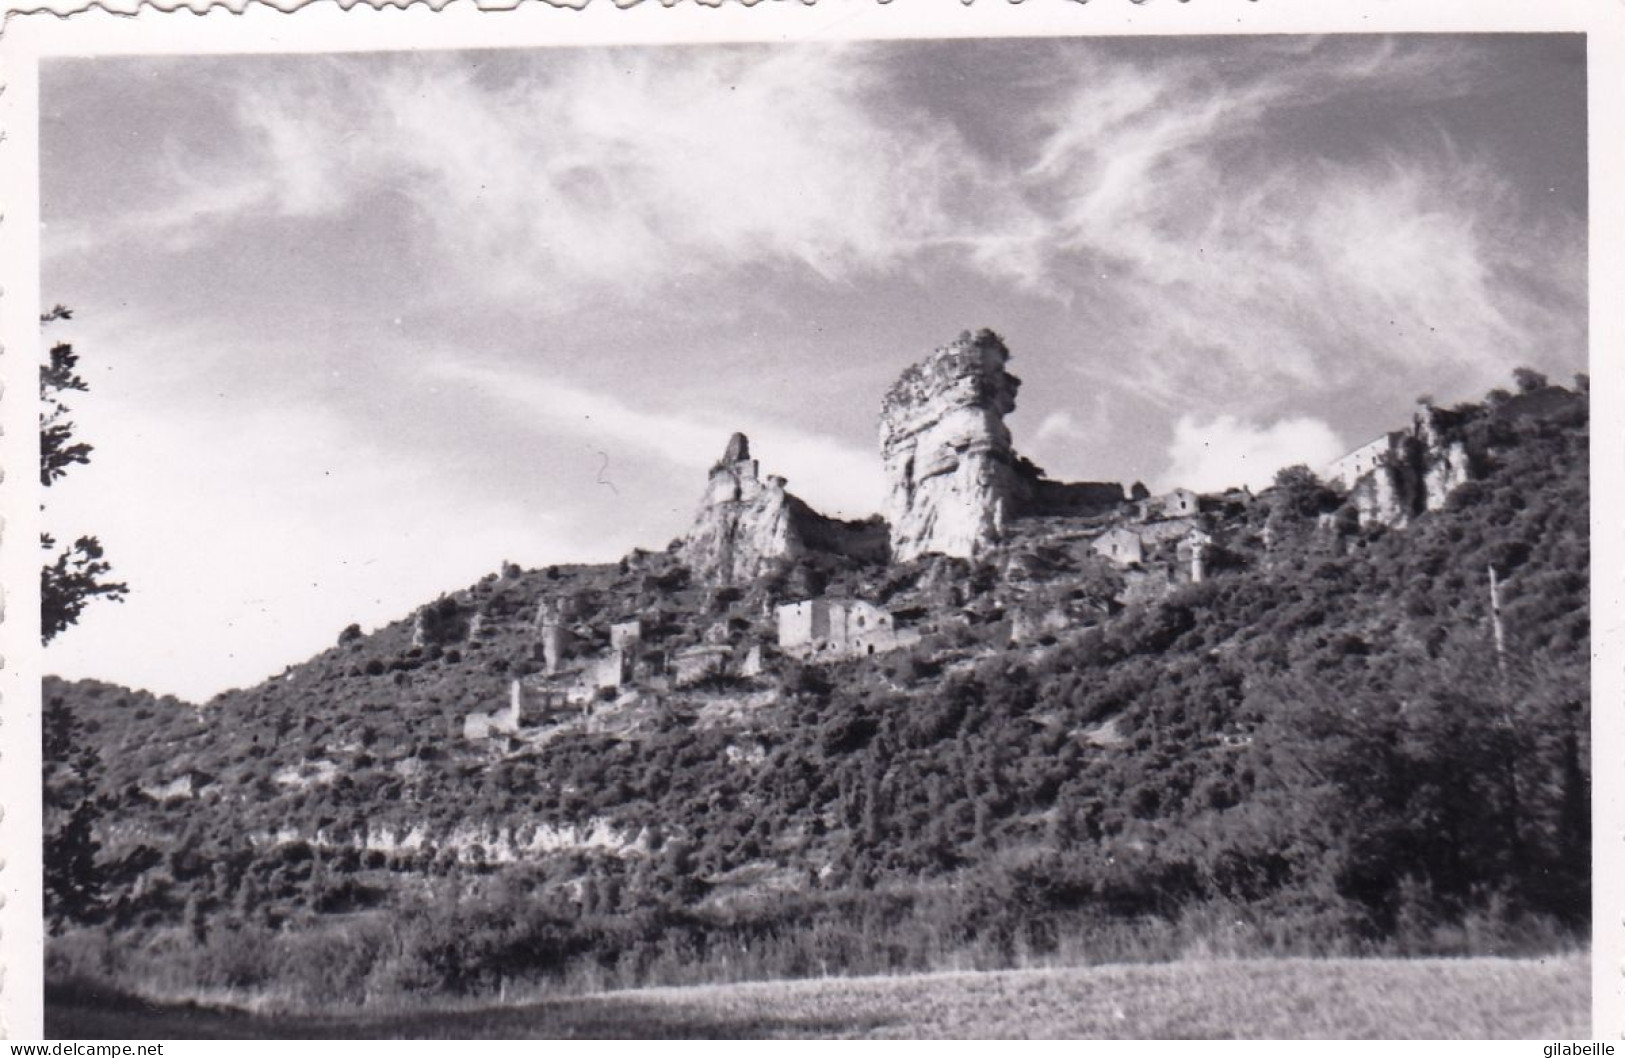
pixel 574 682
pixel 1176 516
pixel 832 629
pixel 588 664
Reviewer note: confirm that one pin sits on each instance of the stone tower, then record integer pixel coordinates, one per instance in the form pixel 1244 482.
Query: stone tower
pixel 552 634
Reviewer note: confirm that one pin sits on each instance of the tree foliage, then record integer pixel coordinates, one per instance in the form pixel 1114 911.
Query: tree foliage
pixel 1529 380
pixel 73 889
pixel 76 573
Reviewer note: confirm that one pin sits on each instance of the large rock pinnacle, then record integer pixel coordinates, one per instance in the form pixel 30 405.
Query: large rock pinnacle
pixel 952 478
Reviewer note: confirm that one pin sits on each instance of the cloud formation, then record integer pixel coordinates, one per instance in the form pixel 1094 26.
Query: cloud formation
pixel 1228 257
pixel 1059 427
pixel 1226 452
pixel 1190 204
pixel 591 173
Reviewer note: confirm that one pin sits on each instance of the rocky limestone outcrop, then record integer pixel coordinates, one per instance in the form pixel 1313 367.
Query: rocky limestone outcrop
pixel 954 481
pixel 1445 464
pixel 1419 469
pixel 744 522
pixel 748 525
pixel 952 477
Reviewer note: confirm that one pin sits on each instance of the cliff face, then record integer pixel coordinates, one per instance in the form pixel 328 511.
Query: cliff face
pixel 1446 460
pixel 952 478
pixel 746 525
pixel 1421 467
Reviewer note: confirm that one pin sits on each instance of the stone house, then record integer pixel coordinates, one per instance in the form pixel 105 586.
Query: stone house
pixel 838 627
pixel 1348 469
pixel 1425 463
pixel 1180 503
pixel 1122 546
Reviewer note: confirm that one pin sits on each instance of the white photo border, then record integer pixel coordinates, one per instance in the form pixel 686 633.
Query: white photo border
pixel 262 28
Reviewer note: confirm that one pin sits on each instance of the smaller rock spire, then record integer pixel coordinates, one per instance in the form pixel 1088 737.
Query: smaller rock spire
pixel 738 450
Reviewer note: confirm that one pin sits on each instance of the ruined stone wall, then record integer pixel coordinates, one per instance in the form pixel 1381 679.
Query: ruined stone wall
pixel 626 635
pixel 1121 546
pixel 1180 503
pixel 803 623
pixel 1076 497
pixel 698 663
pixel 612 671
pixel 865 541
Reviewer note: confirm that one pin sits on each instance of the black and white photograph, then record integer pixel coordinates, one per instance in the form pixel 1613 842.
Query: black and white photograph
pixel 934 536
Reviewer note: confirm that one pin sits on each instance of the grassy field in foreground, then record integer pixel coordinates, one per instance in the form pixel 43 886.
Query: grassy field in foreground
pixel 1315 998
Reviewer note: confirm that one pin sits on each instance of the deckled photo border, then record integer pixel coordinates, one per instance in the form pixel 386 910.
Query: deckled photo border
pixel 128 28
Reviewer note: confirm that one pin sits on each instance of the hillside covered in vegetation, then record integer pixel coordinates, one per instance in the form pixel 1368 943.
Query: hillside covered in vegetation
pixel 1319 747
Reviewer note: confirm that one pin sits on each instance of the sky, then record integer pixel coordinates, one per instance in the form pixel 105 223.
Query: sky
pixel 359 328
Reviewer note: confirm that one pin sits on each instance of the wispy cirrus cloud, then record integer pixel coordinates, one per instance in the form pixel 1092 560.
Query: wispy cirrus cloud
pixel 1223 256
pixel 1184 204
pixel 593 173
pixel 829 473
